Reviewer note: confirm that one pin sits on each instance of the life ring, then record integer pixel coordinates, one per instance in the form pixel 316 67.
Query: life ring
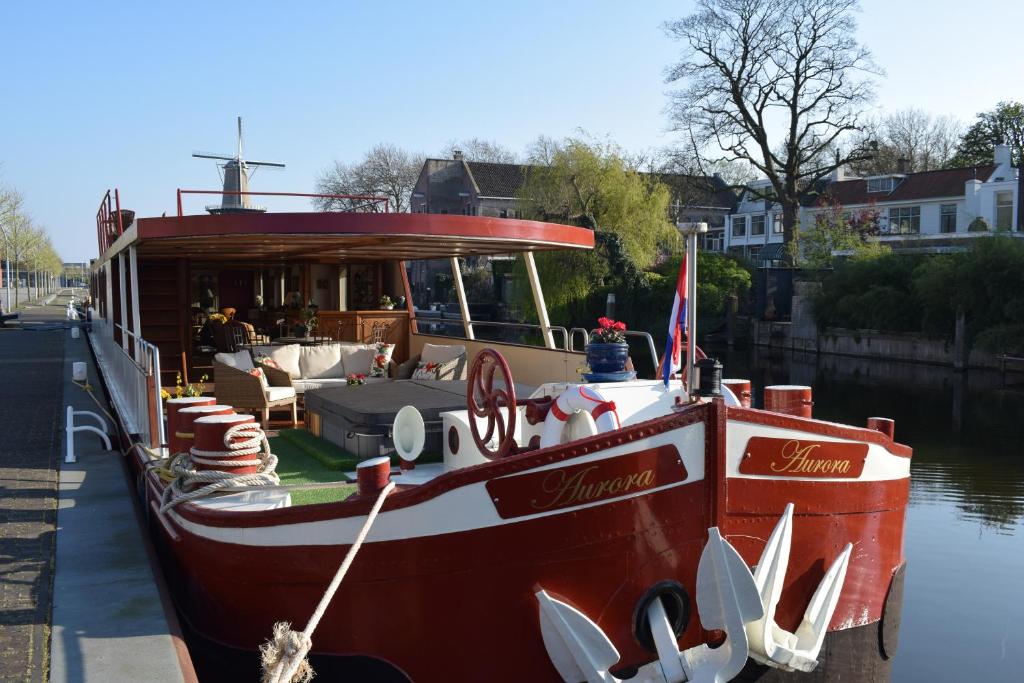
pixel 571 401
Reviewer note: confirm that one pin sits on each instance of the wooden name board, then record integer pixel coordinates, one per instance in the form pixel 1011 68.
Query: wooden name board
pixel 803 458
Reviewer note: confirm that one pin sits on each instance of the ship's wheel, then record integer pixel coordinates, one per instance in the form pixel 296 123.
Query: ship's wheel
pixel 485 402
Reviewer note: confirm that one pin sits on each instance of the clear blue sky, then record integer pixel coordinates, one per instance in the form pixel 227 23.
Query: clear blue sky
pixel 98 95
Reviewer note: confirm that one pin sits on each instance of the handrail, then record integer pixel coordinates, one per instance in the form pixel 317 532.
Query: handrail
pixel 495 323
pixel 370 198
pixel 628 333
pixel 109 207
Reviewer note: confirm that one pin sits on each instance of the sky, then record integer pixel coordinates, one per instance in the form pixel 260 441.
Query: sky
pixel 102 95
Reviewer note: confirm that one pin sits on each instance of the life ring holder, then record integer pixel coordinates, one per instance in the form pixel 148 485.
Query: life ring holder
pixel 578 398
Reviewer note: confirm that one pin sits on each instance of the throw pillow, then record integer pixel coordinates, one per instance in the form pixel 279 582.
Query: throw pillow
pixel 258 372
pixel 430 370
pixel 379 365
pixel 268 362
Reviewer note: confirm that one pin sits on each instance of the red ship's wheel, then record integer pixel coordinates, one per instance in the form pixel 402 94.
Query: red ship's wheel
pixel 484 402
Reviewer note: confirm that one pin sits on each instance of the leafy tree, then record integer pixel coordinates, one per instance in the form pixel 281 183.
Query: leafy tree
pixel 751 67
pixel 386 171
pixel 1004 124
pixel 718 278
pixel 833 231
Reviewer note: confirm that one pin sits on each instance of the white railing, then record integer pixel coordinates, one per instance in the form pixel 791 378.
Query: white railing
pixel 133 383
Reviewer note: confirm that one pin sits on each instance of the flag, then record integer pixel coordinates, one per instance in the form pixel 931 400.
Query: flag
pixel 676 327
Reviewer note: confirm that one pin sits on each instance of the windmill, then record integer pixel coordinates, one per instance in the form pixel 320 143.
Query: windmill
pixel 237 172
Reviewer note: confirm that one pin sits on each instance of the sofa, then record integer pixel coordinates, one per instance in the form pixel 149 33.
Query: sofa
pixel 316 367
pixel 449 359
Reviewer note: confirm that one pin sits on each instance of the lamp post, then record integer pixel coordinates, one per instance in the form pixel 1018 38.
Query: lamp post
pixel 691 231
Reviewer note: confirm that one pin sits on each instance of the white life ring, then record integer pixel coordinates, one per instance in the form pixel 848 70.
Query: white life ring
pixel 571 401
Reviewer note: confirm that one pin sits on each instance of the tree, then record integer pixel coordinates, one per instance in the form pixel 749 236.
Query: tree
pixel 912 138
pixel 476 149
pixel 1002 125
pixel 833 230
pixel 385 171
pixel 752 67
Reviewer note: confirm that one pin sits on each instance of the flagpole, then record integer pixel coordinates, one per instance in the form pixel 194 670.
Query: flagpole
pixel 691 231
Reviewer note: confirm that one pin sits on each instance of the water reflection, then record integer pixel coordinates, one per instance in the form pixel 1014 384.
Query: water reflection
pixel 964 598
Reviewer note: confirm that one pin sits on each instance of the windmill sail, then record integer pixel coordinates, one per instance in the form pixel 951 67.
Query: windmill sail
pixel 237 171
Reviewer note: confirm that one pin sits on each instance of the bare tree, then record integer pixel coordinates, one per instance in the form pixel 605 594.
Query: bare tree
pixel 477 149
pixel 386 171
pixel 909 141
pixel 775 83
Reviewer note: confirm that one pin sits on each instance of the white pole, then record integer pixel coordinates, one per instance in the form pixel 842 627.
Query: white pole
pixel 124 302
pixel 691 231
pixel 136 320
pixel 538 299
pixel 460 291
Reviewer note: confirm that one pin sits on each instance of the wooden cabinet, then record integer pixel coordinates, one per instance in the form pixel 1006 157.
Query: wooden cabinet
pixel 359 326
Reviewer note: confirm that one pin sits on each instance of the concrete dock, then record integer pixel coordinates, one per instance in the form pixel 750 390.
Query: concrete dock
pixel 79 600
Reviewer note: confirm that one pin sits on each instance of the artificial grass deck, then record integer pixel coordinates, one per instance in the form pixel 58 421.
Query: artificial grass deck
pixel 296 466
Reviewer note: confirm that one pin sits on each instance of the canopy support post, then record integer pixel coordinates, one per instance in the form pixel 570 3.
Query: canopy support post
pixel 133 262
pixel 124 301
pixel 538 299
pixel 460 291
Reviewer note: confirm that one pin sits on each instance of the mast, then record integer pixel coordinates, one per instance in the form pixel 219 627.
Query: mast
pixel 691 231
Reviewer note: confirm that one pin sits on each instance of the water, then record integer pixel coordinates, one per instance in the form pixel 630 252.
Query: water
pixel 963 610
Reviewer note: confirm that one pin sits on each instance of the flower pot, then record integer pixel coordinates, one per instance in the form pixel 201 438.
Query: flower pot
pixel 299 331
pixel 607 357
pixel 388 308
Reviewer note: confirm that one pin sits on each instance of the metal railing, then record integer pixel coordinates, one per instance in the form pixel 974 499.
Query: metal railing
pixel 133 385
pixel 370 201
pixel 457 322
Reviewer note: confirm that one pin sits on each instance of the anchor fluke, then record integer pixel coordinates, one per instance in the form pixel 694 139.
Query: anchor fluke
pixel 577 646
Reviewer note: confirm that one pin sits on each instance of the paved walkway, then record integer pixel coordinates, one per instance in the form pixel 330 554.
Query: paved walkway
pixel 30 425
pixel 72 556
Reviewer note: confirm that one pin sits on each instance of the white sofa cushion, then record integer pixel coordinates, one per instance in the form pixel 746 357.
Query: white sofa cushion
pixel 357 357
pixel 440 353
pixel 321 362
pixel 286 357
pixel 240 359
pixel 279 393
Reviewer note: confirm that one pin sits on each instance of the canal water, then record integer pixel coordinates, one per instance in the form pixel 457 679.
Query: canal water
pixel 963 609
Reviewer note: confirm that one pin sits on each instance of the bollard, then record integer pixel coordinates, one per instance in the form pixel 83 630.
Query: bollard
pixel 184 435
pixel 788 399
pixel 79 371
pixel 373 475
pixel 741 389
pixel 210 431
pixel 75 333
pixel 884 425
pixel 173 406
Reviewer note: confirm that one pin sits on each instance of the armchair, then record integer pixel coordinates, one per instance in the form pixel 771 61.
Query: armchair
pixel 234 386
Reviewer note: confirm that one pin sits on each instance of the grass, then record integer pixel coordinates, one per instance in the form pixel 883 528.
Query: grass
pixel 296 466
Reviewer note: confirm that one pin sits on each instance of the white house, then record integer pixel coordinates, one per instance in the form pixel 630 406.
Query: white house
pixel 932 210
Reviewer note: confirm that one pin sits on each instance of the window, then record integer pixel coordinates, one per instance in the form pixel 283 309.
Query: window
pixel 713 240
pixel 947 218
pixel 1004 210
pixel 757 225
pixel 503 213
pixel 739 226
pixel 880 184
pixel 904 220
pixel 755 253
pixel 777 226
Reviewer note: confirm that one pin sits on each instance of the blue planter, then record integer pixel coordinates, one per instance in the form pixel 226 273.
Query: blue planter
pixel 607 357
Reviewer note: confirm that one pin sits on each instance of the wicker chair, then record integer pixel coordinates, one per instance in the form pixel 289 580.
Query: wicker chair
pixel 239 389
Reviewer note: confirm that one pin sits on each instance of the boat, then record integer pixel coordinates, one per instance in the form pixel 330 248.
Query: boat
pixel 671 532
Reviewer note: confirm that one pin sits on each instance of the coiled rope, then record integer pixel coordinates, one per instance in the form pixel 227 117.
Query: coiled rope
pixel 191 483
pixel 284 656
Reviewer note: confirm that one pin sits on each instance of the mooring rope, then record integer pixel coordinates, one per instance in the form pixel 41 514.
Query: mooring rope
pixel 191 483
pixel 284 656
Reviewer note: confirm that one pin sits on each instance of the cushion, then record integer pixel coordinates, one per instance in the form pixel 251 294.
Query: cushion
pixel 435 371
pixel 258 372
pixel 356 357
pixel 379 364
pixel 439 353
pixel 286 357
pixel 240 360
pixel 321 362
pixel 279 393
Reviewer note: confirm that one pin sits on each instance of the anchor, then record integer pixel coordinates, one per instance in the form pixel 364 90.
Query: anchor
pixel 772 645
pixel 729 599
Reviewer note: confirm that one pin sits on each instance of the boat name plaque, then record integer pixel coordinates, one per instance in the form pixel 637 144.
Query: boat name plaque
pixel 802 458
pixel 554 489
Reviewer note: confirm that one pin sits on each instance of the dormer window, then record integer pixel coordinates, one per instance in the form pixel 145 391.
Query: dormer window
pixel 883 184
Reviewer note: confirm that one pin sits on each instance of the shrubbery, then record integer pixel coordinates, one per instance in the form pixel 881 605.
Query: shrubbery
pixel 921 293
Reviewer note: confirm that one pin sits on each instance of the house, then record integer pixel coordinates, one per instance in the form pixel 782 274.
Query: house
pixel 927 211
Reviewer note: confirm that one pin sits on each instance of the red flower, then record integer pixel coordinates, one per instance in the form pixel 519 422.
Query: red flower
pixel 619 326
pixel 604 322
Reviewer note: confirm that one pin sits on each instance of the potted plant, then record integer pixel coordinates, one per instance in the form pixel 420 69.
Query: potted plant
pixel 307 324
pixel 607 350
pixel 386 303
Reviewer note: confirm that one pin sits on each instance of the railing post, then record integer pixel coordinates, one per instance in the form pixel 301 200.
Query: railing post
pixel 180 213
pixel 124 301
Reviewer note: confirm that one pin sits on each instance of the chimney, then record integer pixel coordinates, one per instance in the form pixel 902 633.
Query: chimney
pixel 1001 158
pixel 457 155
pixel 840 173
pixel 903 165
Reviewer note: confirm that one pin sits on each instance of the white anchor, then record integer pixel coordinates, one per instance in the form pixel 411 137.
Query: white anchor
pixel 729 598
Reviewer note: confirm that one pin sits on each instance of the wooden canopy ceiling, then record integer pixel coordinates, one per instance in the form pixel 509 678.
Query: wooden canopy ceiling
pixel 333 237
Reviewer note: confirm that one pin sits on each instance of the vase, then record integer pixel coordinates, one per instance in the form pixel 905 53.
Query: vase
pixel 607 357
pixel 388 308
pixel 299 331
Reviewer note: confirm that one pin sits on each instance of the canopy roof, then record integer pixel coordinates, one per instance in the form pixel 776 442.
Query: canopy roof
pixel 343 236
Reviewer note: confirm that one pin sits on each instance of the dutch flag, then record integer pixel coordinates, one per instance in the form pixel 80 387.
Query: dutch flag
pixel 676 328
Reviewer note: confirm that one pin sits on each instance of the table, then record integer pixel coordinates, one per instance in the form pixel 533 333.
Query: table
pixel 359 418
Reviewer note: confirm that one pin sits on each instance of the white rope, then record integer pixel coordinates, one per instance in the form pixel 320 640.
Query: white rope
pixel 191 483
pixel 284 656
